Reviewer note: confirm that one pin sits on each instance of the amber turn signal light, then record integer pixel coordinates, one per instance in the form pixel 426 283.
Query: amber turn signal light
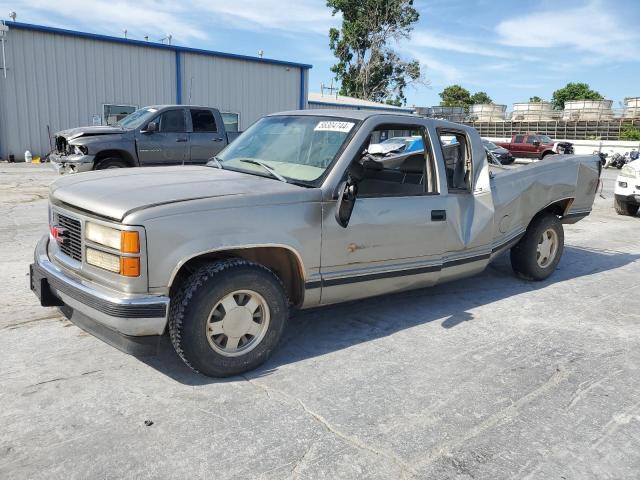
pixel 129 242
pixel 130 266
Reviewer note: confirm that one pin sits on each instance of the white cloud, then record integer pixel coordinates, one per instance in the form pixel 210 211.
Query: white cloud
pixel 280 15
pixel 155 18
pixel 593 29
pixel 440 41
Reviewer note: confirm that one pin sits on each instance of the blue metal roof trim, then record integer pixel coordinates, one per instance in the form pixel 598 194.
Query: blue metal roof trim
pixel 141 43
pixel 364 107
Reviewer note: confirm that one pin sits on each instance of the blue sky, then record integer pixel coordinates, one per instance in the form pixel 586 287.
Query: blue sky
pixel 510 49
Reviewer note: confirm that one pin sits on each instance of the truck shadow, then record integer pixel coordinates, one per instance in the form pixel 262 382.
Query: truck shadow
pixel 323 330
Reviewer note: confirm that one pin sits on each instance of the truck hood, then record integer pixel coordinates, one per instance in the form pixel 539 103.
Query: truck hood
pixel 116 193
pixel 88 132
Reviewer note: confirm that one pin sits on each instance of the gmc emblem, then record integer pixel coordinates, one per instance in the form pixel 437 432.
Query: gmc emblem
pixel 59 234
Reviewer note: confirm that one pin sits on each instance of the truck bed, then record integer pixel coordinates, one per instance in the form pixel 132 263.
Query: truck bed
pixel 519 193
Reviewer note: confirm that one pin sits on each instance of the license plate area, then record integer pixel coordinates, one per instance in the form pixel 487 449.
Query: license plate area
pixel 40 287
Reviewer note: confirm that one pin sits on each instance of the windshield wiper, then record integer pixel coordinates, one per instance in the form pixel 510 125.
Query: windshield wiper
pixel 215 162
pixel 271 171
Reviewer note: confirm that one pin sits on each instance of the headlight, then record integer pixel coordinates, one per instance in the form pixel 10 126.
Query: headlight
pixel 105 260
pixel 80 150
pixel 123 241
pixel 107 236
pixel 628 171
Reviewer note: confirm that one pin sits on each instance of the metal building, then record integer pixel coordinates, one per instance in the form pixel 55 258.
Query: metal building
pixel 52 79
pixel 341 102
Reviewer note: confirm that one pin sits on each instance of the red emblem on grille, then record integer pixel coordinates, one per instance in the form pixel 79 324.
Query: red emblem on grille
pixel 58 234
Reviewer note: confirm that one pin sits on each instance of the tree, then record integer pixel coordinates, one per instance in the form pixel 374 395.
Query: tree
pixel 630 133
pixel 573 91
pixel 455 96
pixel 480 97
pixel 535 99
pixel 367 68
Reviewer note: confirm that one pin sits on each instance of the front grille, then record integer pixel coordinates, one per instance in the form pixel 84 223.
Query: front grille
pixel 61 144
pixel 71 245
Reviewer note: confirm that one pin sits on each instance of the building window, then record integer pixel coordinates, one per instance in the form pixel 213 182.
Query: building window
pixel 114 113
pixel 231 121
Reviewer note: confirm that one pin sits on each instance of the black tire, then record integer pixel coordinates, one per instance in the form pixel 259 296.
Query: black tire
pixel 111 162
pixel 194 302
pixel 545 154
pixel 524 255
pixel 625 208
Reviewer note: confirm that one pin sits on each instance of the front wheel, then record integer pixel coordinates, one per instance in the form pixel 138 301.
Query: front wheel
pixel 228 317
pixel 625 208
pixel 537 254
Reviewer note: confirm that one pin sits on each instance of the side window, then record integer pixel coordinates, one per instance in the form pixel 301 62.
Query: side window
pixel 456 152
pixel 531 139
pixel 391 169
pixel 231 121
pixel 519 139
pixel 203 121
pixel 172 121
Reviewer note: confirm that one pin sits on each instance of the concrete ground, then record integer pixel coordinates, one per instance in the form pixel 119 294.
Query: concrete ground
pixel 491 377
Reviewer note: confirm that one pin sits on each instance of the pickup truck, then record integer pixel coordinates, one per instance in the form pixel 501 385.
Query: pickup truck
pixel 156 135
pixel 535 145
pixel 295 213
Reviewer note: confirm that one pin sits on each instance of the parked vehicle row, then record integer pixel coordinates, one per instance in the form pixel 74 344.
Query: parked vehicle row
pixel 155 135
pixel 299 211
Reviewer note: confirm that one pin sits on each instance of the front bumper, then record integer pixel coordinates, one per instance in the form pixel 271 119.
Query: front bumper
pixel 71 163
pixel 627 189
pixel 132 323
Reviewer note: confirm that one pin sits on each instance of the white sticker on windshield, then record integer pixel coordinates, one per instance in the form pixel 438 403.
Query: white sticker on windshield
pixel 334 126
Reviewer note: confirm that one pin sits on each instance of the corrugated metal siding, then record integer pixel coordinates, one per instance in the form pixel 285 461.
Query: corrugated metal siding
pixel 249 88
pixel 62 81
pixel 322 106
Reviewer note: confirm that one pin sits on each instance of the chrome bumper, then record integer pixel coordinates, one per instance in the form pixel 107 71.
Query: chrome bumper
pixel 130 322
pixel 71 163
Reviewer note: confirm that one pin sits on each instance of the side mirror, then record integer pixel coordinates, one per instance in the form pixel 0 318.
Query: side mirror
pixel 151 127
pixel 346 201
pixel 536 143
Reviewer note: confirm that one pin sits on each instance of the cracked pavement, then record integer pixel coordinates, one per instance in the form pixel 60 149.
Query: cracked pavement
pixel 490 377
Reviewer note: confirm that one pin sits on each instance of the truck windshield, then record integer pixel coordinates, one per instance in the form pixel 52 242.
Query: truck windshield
pixel 137 118
pixel 299 148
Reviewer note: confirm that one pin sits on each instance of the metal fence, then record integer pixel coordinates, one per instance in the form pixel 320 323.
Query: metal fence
pixel 559 129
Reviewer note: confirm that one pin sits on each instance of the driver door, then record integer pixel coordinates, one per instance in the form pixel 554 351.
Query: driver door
pixel 394 238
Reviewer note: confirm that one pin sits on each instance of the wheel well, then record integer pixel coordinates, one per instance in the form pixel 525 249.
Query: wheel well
pixel 122 155
pixel 282 261
pixel 558 208
pixel 547 152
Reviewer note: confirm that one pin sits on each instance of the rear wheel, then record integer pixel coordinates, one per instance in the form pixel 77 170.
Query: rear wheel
pixel 537 254
pixel 625 208
pixel 111 162
pixel 228 317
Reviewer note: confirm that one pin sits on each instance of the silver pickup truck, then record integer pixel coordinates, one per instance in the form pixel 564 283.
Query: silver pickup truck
pixel 295 213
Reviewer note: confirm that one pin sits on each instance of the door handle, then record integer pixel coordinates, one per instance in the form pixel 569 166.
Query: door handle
pixel 181 140
pixel 438 215
pixel 216 139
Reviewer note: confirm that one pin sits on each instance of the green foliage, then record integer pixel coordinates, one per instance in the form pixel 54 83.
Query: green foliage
pixel 573 91
pixel 630 133
pixel 455 96
pixel 535 99
pixel 367 68
pixel 480 97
